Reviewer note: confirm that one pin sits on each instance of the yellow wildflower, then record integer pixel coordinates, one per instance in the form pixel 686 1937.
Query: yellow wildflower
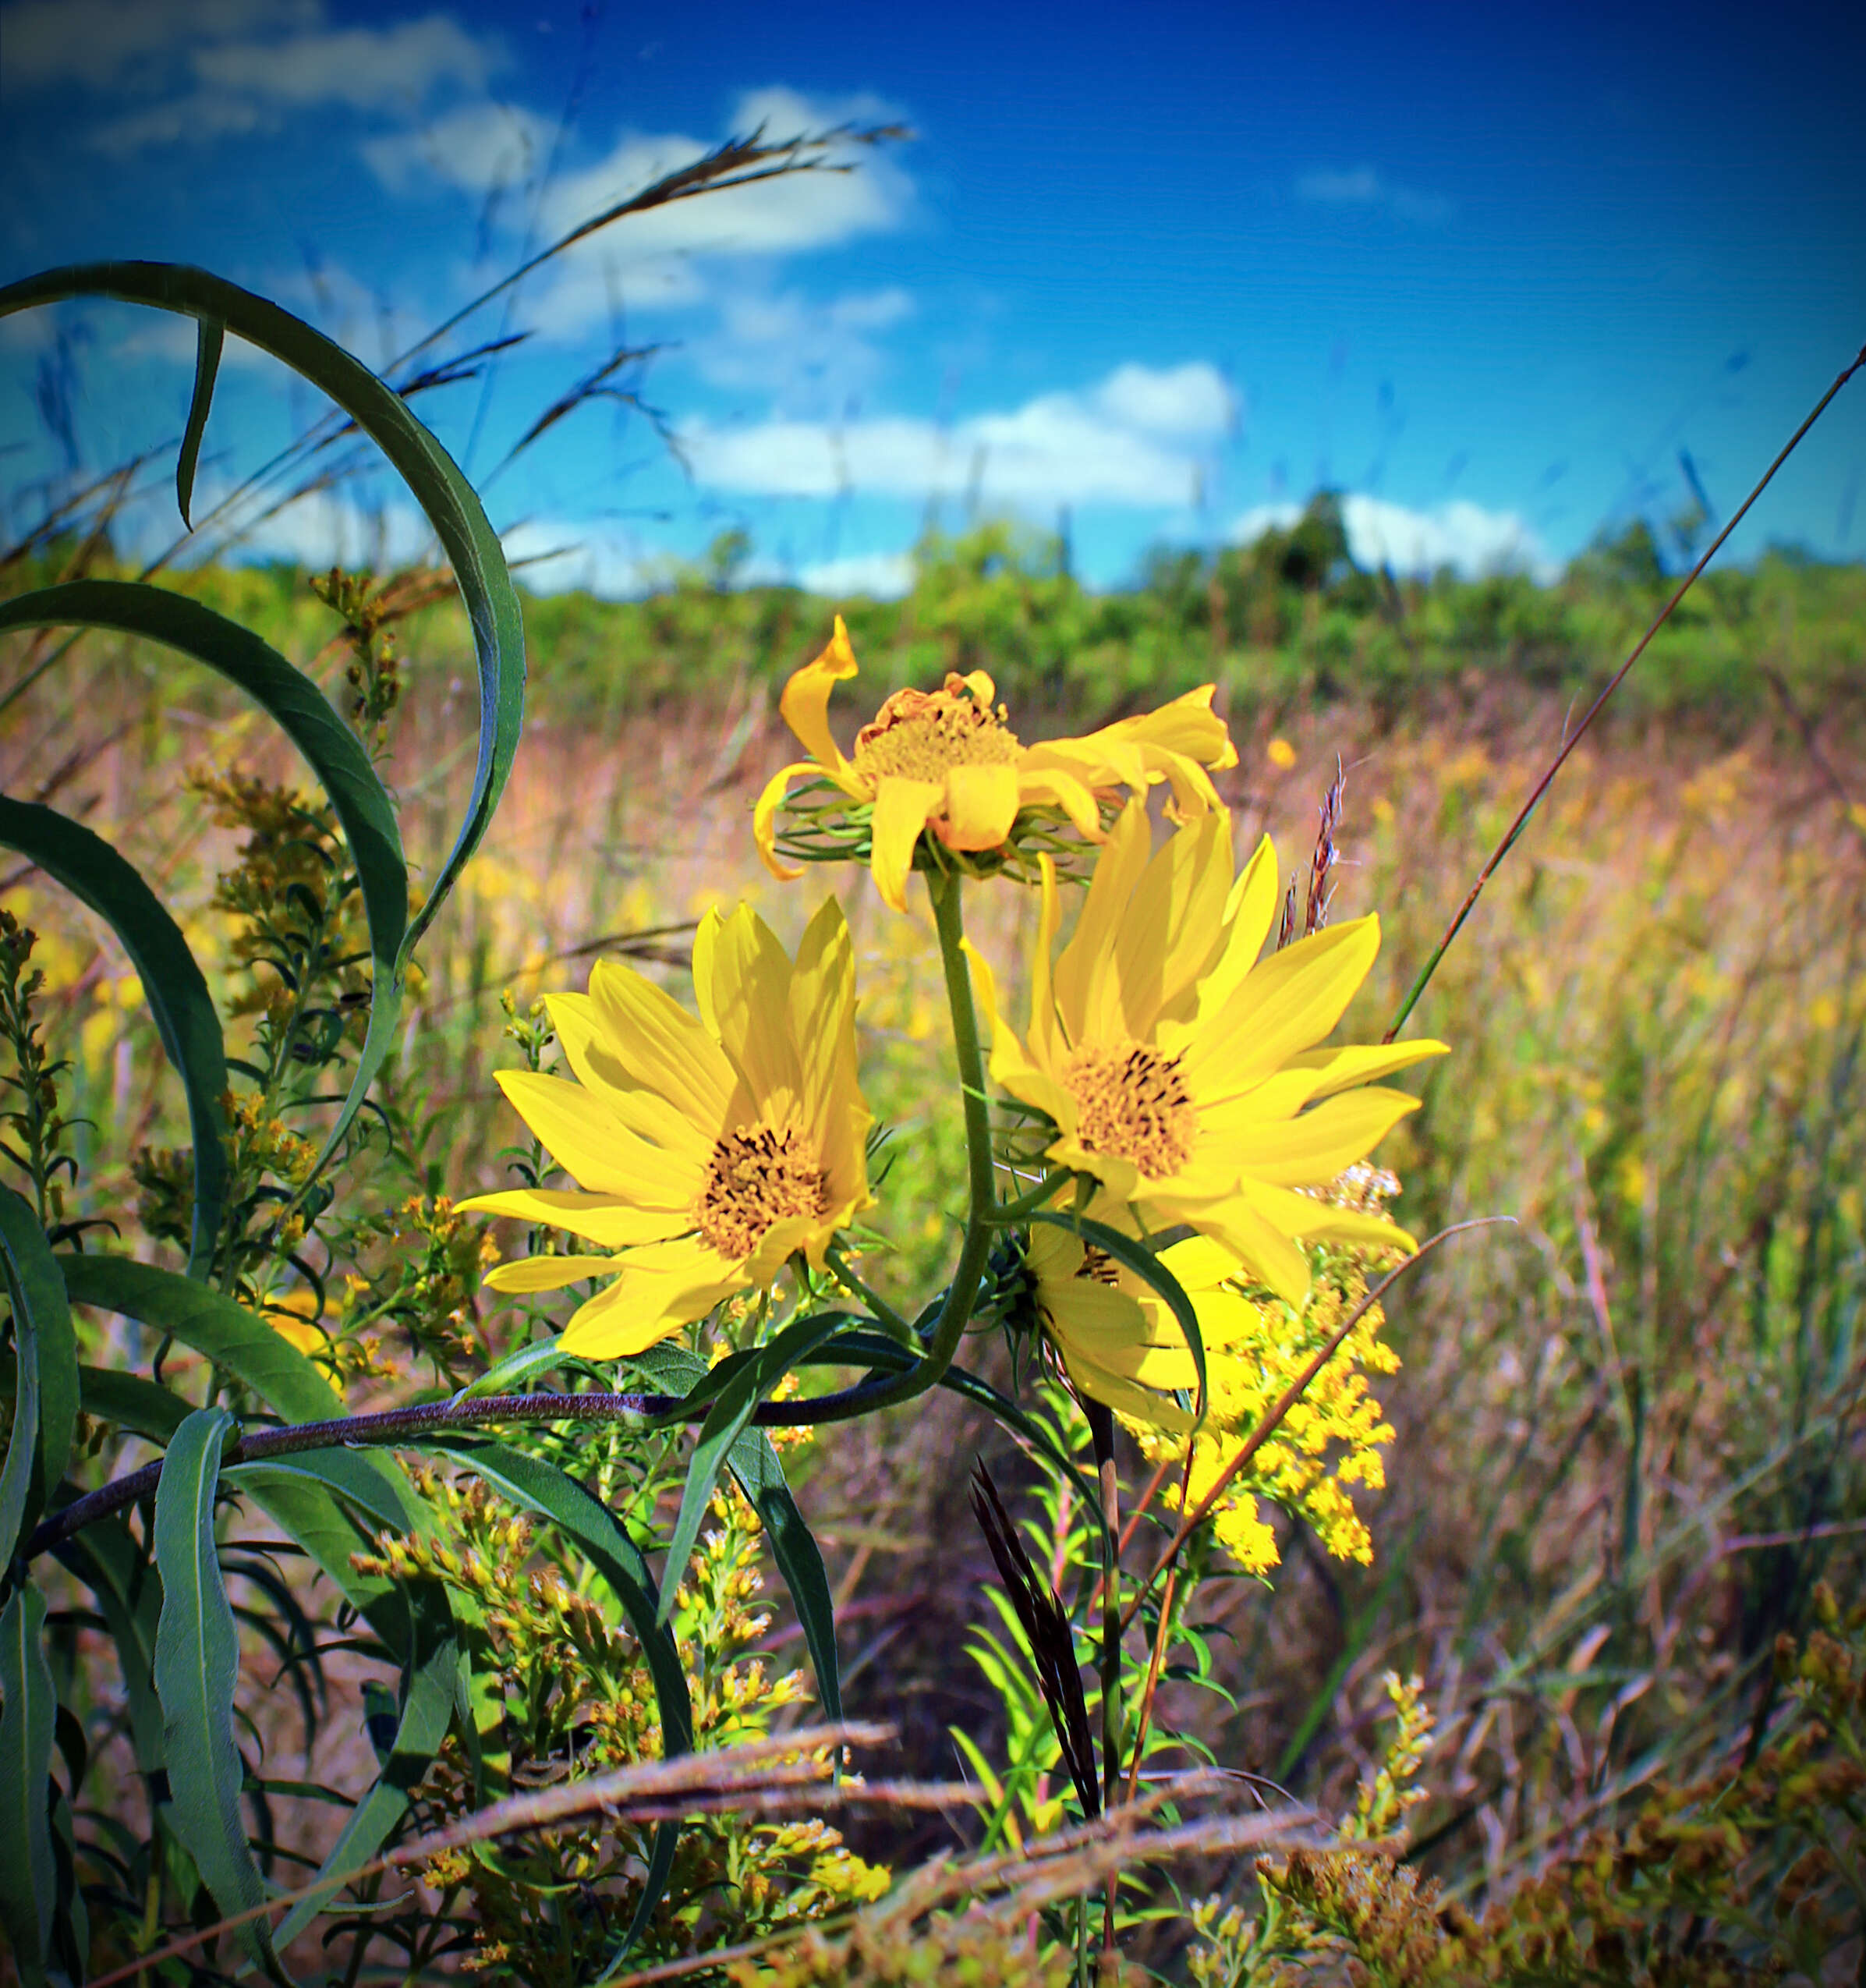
pixel 709 1151
pixel 1179 1071
pixel 945 761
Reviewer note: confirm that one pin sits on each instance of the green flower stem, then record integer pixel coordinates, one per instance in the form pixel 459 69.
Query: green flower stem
pixel 884 1314
pixel 1008 1213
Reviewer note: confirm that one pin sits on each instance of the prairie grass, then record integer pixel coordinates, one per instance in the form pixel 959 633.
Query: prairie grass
pixel 1629 1425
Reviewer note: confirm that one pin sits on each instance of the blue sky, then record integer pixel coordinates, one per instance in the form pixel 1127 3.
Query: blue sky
pixel 1488 271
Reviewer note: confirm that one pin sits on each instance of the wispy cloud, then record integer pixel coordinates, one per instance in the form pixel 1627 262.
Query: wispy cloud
pixel 878 576
pixel 1364 187
pixel 1465 536
pixel 476 146
pixel 215 68
pixel 1131 439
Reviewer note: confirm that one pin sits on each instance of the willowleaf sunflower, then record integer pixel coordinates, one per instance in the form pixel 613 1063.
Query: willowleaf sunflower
pixel 1180 1072
pixel 709 1151
pixel 945 762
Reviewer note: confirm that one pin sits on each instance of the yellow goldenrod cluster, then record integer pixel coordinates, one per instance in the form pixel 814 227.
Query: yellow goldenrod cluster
pixel 1330 1439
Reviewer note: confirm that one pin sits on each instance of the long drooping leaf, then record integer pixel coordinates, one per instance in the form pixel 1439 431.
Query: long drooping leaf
pixel 94 873
pixel 29 1883
pixel 213 1324
pixel 759 1370
pixel 45 1400
pixel 197 1669
pixel 309 1496
pixel 427 1708
pixel 210 336
pixel 753 1462
pixel 128 1401
pixel 593 1529
pixel 433 480
pixel 305 715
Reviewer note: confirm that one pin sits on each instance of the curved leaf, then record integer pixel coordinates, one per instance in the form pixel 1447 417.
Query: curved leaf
pixel 755 1372
pixel 753 1462
pixel 303 713
pixel 29 1879
pixel 1145 1265
pixel 213 1323
pixel 197 1669
pixel 45 1400
pixel 210 336
pixel 435 481
pixel 129 1402
pixel 427 1709
pixel 94 873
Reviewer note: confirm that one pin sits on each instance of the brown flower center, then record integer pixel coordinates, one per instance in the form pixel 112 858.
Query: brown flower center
pixel 1098 1267
pixel 922 734
pixel 1132 1104
pixel 756 1176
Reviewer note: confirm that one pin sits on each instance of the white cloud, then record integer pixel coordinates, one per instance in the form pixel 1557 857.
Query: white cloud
pixel 877 576
pixel 1194 400
pixel 478 146
pixel 1364 187
pixel 369 68
pixel 1463 536
pixel 803 353
pixel 197 118
pixel 1058 448
pixel 96 42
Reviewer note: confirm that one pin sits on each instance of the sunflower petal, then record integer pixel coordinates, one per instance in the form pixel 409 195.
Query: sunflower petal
pixel 1086 996
pixel 580 1028
pixel 547 1272
pixel 902 808
pixel 764 818
pixel 1309 1150
pixel 660 1045
pixel 805 704
pixel 1339 1069
pixel 980 804
pixel 603 1218
pixel 749 994
pixel 1289 1002
pixel 1010 1067
pixel 650 1300
pixel 588 1141
pixel 1173 924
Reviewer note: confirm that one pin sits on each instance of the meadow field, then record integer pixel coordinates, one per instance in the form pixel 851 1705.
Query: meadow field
pixel 1626 1435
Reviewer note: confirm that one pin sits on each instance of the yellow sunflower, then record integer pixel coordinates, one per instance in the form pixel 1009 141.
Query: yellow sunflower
pixel 1117 1340
pixel 1179 1071
pixel 945 760
pixel 709 1151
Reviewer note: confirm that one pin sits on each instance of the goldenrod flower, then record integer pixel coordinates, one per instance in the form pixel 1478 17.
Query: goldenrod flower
pixel 709 1151
pixel 945 761
pixel 1179 1071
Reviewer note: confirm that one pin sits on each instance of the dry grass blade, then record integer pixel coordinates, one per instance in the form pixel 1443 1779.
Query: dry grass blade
pixel 689 1783
pixel 1006 1888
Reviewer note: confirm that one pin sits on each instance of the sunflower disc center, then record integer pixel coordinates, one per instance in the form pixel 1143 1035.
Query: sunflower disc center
pixel 754 1177
pixel 922 734
pixel 1132 1104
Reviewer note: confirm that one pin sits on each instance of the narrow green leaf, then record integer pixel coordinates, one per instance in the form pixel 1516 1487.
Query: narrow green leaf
pixel 210 336
pixel 1145 1265
pixel 524 1363
pixel 435 481
pixel 753 1462
pixel 298 1493
pixel 196 1670
pixel 756 1372
pixel 94 874
pixel 306 716
pixel 427 1709
pixel 213 1324
pixel 29 1880
pixel 128 1401
pixel 45 1405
